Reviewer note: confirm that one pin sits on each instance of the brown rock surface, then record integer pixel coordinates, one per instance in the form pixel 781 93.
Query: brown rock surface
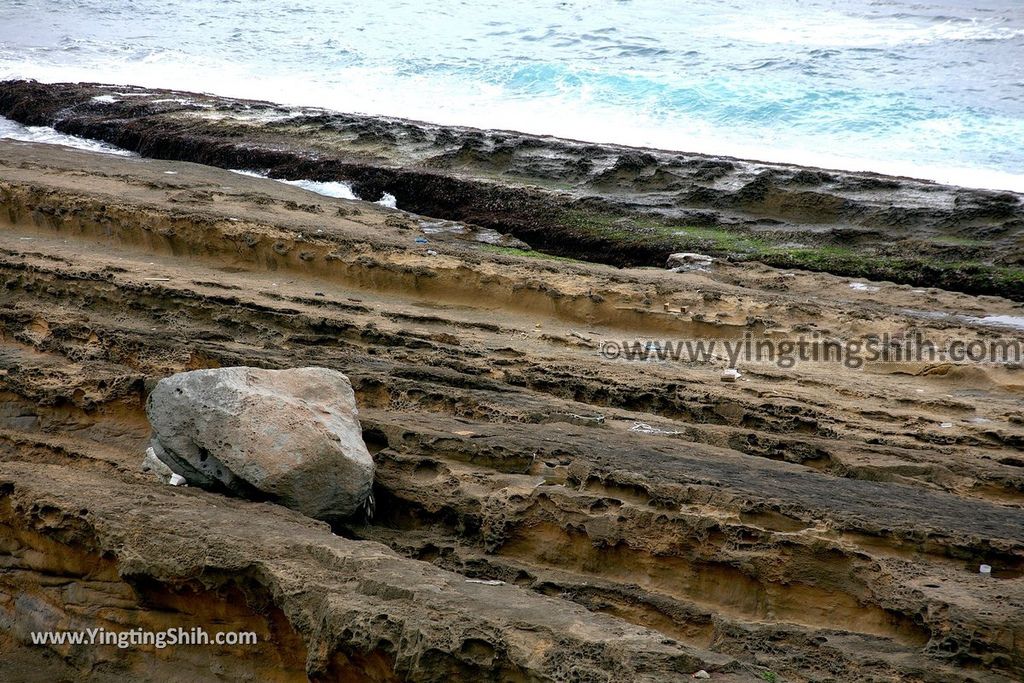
pixel 812 523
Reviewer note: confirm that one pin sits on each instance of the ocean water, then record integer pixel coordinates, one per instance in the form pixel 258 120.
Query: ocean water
pixel 13 130
pixel 927 89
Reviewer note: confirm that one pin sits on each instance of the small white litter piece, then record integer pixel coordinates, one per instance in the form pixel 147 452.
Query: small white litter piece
pixel 644 428
pixel 730 375
pixel 861 287
pixel 985 569
pixel 431 252
pixel 170 173
pixel 157 279
pixel 946 425
pixel 176 480
pixel 597 419
pixel 153 465
pixel 702 674
pixel 688 260
pixel 486 582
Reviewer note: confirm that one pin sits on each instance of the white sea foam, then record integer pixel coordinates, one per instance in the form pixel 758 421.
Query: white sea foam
pixel 929 91
pixel 12 130
pixel 1014 321
pixel 337 189
pixel 388 201
pixel 840 29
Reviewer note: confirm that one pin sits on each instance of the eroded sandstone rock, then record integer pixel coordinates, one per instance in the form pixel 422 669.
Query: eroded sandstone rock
pixel 290 436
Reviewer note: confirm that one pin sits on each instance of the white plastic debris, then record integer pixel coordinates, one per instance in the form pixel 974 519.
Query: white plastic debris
pixel 861 287
pixel 597 419
pixel 687 260
pixel 176 480
pixel 946 425
pixel 730 375
pixel 154 466
pixel 431 252
pixel 985 569
pixel 645 428
pixel 702 674
pixel 486 582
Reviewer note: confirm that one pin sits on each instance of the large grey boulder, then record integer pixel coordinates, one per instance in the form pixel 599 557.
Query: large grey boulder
pixel 290 436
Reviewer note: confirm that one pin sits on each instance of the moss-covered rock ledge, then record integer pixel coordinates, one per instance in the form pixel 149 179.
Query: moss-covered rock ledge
pixel 605 203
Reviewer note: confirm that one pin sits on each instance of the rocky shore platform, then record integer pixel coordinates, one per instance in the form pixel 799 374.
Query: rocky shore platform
pixel 605 203
pixel 543 512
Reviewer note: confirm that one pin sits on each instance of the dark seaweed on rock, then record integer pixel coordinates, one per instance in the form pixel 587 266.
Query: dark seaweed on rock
pixel 603 203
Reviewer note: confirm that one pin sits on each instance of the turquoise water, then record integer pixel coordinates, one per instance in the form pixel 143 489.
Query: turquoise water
pixel 928 89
